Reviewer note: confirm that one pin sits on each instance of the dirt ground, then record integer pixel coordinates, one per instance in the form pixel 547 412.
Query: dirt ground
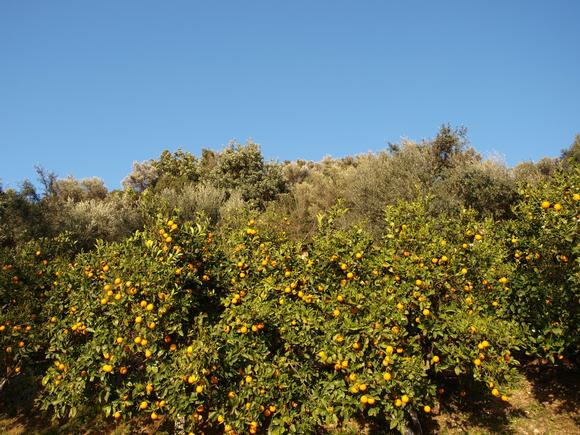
pixel 546 402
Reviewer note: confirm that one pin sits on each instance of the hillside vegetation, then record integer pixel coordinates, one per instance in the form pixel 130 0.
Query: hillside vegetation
pixel 223 293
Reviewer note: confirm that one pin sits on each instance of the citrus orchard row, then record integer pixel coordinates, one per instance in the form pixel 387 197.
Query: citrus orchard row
pixel 247 331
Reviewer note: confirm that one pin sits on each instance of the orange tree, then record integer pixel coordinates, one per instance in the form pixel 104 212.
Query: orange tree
pixel 26 273
pixel 265 333
pixel 118 314
pixel 455 278
pixel 543 241
pixel 344 329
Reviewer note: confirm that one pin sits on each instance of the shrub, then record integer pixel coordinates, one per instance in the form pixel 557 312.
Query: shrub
pixel 113 218
pixel 487 187
pixel 242 168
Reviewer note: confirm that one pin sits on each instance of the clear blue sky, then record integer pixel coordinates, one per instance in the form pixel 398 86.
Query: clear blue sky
pixel 86 88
